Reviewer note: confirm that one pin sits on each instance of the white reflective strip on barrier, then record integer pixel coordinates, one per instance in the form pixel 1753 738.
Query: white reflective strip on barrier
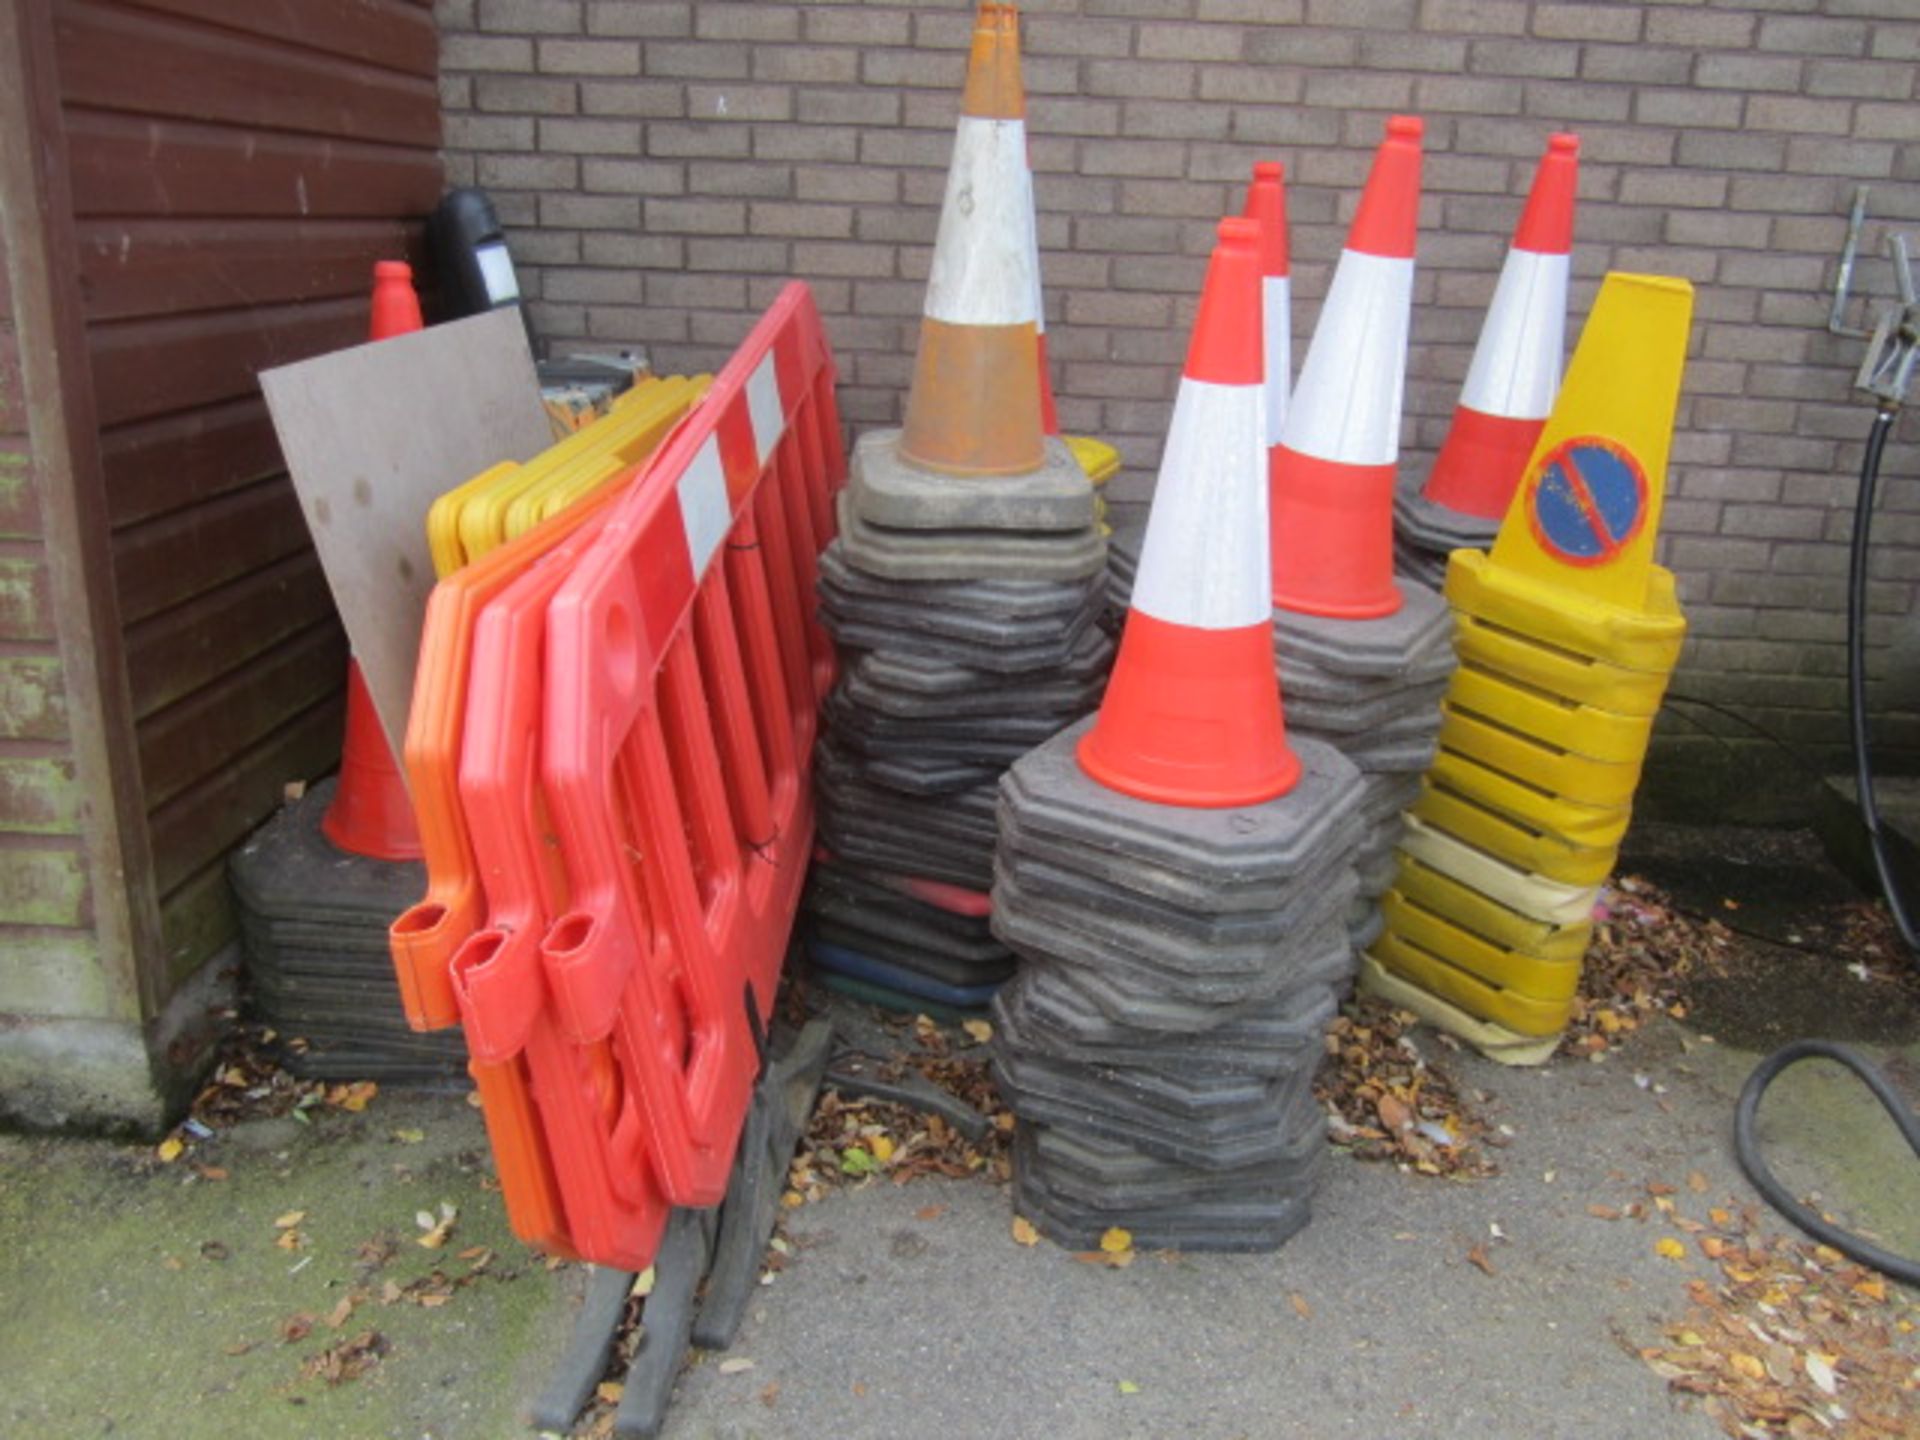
pixel 1204 560
pixel 1516 366
pixel 1276 310
pixel 705 511
pixel 764 409
pixel 1346 404
pixel 983 257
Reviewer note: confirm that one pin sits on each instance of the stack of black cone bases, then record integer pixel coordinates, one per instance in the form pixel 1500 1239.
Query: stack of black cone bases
pixel 1369 688
pixel 1178 968
pixel 1372 690
pixel 966 615
pixel 314 918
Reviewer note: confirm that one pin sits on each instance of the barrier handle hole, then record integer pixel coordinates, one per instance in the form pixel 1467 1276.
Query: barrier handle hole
pixel 419 919
pixel 569 934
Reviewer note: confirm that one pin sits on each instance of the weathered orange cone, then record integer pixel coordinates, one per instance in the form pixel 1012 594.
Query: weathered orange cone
pixel 1515 372
pixel 1332 503
pixel 371 814
pixel 1192 715
pixel 975 407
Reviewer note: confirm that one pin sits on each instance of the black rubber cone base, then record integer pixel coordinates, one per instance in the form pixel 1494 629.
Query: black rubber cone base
pixel 1241 857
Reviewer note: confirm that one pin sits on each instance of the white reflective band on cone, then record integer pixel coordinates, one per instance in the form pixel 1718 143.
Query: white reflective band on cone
pixel 1276 310
pixel 983 257
pixel 1342 410
pixel 1516 366
pixel 1204 561
pixel 1033 247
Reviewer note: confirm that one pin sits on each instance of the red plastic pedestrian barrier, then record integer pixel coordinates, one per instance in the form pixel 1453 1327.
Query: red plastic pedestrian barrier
pixel 684 672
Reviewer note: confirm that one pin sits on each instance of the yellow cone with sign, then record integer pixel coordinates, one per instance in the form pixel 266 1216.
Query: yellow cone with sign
pixel 1568 632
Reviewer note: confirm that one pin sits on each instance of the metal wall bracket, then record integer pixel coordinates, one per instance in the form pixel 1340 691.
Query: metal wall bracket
pixel 1893 342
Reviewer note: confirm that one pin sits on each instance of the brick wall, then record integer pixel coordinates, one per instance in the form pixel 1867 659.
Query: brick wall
pixel 661 166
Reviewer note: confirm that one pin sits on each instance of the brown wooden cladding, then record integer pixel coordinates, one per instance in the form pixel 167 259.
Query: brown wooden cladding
pixel 138 165
pixel 117 58
pixel 130 269
pixel 236 169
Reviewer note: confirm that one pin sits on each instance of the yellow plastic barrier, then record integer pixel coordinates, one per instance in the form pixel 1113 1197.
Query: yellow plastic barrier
pixel 1552 901
pixel 1535 977
pixel 1567 633
pixel 666 400
pixel 1435 891
pixel 1556 670
pixel 1596 827
pixel 1570 777
pixel 1100 460
pixel 1642 639
pixel 1509 1047
pixel 1576 727
pixel 1522 1014
pixel 1525 847
pixel 471 519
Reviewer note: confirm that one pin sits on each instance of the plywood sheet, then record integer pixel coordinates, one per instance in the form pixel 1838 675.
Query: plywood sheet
pixel 372 435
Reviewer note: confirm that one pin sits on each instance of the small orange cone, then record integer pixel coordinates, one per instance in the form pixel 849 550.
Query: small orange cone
pixel 1516 366
pixel 1192 715
pixel 1332 503
pixel 371 814
pixel 396 309
pixel 1267 203
pixel 974 407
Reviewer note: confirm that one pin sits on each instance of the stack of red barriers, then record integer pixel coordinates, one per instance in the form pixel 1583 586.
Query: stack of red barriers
pixel 609 751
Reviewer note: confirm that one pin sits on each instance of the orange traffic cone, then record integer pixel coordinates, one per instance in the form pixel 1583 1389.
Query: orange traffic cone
pixel 1192 715
pixel 1516 366
pixel 974 406
pixel 371 814
pixel 1267 203
pixel 1332 511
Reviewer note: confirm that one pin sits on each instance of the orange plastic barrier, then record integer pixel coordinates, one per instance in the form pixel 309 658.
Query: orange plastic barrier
pixel 425 936
pixel 424 939
pixel 589 1117
pixel 685 670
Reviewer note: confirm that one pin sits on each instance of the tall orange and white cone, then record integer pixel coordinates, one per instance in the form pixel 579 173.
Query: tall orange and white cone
pixel 1332 503
pixel 1192 716
pixel 1515 372
pixel 1267 203
pixel 974 406
pixel 371 813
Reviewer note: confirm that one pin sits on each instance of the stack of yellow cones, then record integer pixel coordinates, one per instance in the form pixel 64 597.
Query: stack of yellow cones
pixel 1567 635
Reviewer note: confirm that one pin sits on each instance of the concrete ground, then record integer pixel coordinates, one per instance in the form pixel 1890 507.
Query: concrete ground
pixel 140 1299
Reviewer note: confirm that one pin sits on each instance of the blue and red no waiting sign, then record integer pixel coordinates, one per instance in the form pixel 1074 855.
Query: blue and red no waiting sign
pixel 1586 500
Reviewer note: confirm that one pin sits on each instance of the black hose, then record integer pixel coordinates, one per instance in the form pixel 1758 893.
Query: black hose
pixel 1746 1148
pixel 1857 677
pixel 1745 1144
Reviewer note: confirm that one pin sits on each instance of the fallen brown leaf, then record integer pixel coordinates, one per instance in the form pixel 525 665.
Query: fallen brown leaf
pixel 1477 1255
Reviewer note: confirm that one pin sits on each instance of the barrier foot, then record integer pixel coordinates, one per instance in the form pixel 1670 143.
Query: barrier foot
pixel 776 1118
pixel 863 1065
pixel 585 1358
pixel 863 1075
pixel 667 1325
